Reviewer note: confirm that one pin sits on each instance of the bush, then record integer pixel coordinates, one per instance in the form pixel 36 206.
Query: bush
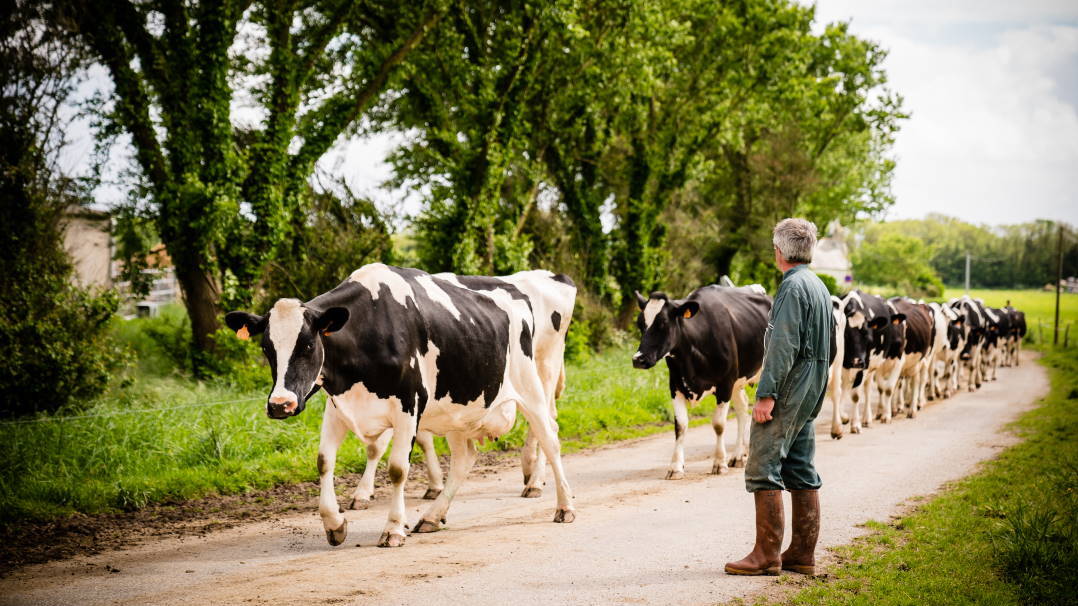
pixel 831 283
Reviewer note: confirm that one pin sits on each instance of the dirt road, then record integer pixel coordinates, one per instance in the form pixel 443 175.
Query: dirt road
pixel 637 539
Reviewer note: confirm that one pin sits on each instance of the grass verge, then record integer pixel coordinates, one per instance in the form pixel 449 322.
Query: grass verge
pixel 1006 535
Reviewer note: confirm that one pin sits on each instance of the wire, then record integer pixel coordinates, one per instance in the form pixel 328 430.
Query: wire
pixel 124 412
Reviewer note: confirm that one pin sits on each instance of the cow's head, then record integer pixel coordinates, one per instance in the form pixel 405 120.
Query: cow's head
pixel 888 334
pixel 857 334
pixel 292 342
pixel 956 332
pixel 660 323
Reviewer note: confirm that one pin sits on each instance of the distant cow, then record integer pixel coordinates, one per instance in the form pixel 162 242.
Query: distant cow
pixel 402 350
pixel 1018 333
pixel 970 311
pixel 885 333
pixel 713 343
pixel 920 338
pixel 944 352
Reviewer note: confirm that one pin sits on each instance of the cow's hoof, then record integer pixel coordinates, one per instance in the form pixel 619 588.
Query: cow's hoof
pixel 845 419
pixel 675 475
pixel 739 461
pixel 425 526
pixel 432 493
pixel 564 516
pixel 836 436
pixel 391 539
pixel 719 469
pixel 532 492
pixel 359 504
pixel 885 421
pixel 855 428
pixel 336 537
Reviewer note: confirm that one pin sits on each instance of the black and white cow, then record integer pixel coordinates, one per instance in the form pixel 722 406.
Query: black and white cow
pixel 713 343
pixel 920 339
pixel 1018 333
pixel 997 340
pixel 885 334
pixel 855 349
pixel 402 350
pixel 948 337
pixel 838 364
pixel 973 318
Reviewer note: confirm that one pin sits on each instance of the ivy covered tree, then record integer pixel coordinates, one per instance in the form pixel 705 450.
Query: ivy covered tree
pixel 221 189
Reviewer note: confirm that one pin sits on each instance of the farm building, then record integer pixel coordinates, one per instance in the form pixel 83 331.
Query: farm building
pixel 832 255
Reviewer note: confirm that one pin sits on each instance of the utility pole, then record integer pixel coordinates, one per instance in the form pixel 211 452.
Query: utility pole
pixel 967 273
pixel 1059 278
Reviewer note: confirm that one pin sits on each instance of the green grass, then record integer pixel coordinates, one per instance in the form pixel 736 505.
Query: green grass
pixel 1006 535
pixel 121 457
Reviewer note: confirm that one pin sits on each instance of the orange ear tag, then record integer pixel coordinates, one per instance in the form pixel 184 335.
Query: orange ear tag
pixel 243 333
pixel 326 333
pixel 687 314
pixel 895 321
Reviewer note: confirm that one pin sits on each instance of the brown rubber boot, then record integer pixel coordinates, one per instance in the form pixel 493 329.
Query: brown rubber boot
pixel 764 558
pixel 800 556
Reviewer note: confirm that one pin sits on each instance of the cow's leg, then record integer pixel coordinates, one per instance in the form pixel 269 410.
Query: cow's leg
pixel 545 430
pixel 528 456
pixel 741 409
pixel 404 430
pixel 462 456
pixel 834 392
pixel 535 477
pixel 681 425
pixel 364 493
pixel 434 468
pixel 888 383
pixel 333 520
pixel 718 423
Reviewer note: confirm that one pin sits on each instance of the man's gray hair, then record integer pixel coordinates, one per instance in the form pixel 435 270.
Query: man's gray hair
pixel 795 239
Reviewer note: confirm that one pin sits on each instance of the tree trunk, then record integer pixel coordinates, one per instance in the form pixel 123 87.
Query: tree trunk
pixel 201 297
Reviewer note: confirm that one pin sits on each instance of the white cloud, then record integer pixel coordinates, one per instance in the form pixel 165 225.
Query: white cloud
pixel 994 132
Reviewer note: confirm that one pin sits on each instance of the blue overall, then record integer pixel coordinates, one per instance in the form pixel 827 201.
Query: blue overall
pixel 797 345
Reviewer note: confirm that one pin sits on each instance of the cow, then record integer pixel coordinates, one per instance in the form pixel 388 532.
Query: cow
pixel 399 349
pixel 855 350
pixel 916 365
pixel 1018 333
pixel 946 345
pixel 885 334
pixel 835 372
pixel 996 340
pixel 973 318
pixel 713 343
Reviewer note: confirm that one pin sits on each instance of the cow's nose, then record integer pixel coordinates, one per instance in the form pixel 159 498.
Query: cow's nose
pixel 280 407
pixel 638 360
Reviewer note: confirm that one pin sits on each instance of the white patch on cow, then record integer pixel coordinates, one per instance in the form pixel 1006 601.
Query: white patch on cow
pixel 373 276
pixel 438 295
pixel 285 322
pixel 651 310
pixel 756 288
pixel 991 315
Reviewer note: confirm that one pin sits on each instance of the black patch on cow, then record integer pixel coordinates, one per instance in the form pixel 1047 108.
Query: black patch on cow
pixel 564 279
pixel 678 429
pixel 321 464
pixel 555 319
pixel 858 378
pixel 396 474
pixel 526 340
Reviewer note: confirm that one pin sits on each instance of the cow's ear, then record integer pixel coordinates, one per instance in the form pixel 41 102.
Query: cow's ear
pixel 898 318
pixel 246 325
pixel 331 320
pixel 877 323
pixel 688 309
pixel 641 300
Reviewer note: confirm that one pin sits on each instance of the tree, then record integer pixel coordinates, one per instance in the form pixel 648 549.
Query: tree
pixel 54 337
pixel 223 193
pixel 899 261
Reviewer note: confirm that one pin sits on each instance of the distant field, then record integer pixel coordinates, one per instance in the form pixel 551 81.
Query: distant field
pixel 1038 305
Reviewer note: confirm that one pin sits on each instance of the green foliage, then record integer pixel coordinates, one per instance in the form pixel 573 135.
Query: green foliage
pixel 831 283
pixel 53 334
pixel 889 258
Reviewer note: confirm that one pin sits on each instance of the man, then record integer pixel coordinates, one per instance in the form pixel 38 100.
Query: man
pixel 782 440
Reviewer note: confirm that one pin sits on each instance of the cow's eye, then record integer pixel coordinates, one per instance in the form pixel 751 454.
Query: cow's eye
pixel 310 346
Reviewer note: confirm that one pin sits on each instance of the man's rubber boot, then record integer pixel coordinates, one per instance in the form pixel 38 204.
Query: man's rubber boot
pixel 800 556
pixel 764 558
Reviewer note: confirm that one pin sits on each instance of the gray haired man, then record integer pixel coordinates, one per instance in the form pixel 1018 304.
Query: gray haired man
pixel 782 442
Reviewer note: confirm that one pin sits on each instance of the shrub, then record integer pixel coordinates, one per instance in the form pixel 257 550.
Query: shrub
pixel 831 283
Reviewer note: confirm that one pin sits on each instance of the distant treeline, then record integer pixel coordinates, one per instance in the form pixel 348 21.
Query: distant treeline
pixel 1008 256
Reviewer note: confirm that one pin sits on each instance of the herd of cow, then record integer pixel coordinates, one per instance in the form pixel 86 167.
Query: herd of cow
pixel 406 355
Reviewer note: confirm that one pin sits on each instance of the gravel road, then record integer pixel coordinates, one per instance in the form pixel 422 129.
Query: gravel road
pixel 637 539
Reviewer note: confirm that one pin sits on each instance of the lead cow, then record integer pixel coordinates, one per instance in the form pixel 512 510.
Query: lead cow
pixel 402 350
pixel 713 343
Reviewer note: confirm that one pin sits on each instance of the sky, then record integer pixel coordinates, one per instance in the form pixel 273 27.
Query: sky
pixel 993 92
pixel 992 87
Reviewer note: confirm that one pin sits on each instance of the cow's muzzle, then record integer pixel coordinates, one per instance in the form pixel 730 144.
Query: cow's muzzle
pixel 281 408
pixel 642 361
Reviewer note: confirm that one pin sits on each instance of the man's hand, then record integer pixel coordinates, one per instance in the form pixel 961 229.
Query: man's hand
pixel 762 411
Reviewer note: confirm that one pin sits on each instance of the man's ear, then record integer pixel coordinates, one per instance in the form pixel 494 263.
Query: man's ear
pixel 898 318
pixel 331 320
pixel 641 300
pixel 246 325
pixel 877 323
pixel 687 309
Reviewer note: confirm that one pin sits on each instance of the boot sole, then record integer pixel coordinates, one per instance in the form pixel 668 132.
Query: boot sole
pixel 800 569
pixel 771 572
